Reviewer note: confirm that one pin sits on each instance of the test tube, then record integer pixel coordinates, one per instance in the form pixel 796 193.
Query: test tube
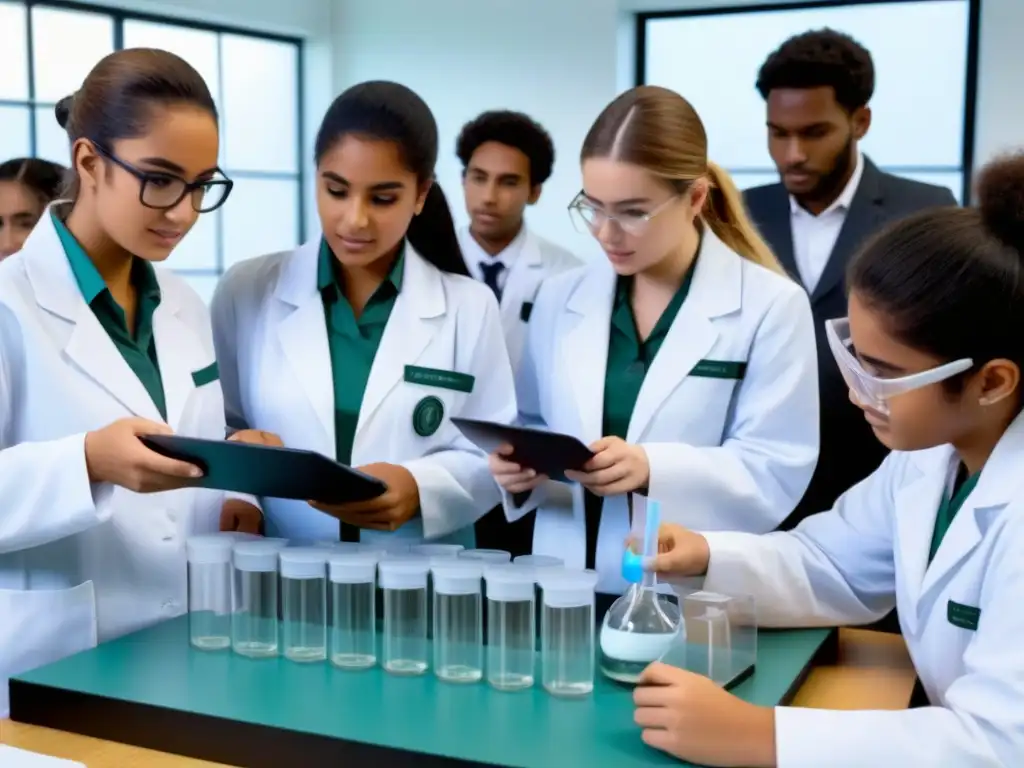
pixel 458 621
pixel 403 580
pixel 487 556
pixel 304 603
pixel 567 632
pixel 209 591
pixel 511 632
pixel 254 599
pixel 354 610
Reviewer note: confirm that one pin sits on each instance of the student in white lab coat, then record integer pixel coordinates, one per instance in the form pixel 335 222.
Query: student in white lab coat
pixel 98 347
pixel 933 353
pixel 362 343
pixel 686 360
pixel 506 159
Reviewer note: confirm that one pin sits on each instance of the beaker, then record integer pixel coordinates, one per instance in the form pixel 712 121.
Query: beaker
pixel 511 630
pixel 209 591
pixel 458 621
pixel 304 603
pixel 353 602
pixel 254 606
pixel 567 632
pixel 403 580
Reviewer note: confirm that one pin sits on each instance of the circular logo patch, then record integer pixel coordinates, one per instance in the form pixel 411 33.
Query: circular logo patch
pixel 428 415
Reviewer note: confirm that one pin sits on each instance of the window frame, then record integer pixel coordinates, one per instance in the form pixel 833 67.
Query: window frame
pixel 970 82
pixel 121 15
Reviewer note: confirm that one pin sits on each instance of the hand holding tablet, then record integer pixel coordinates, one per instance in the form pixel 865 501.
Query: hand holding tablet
pixel 545 453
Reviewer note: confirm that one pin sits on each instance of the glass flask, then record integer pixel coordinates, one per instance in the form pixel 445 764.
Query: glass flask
pixel 642 624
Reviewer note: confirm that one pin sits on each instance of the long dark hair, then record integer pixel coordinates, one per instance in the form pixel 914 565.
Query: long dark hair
pixel 950 281
pixel 391 112
pixel 41 176
pixel 117 98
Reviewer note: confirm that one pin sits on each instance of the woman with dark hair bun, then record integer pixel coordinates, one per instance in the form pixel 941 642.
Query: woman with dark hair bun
pixel 932 352
pixel 364 342
pixel 27 186
pixel 99 347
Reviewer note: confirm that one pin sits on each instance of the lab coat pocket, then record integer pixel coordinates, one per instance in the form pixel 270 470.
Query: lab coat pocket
pixel 38 627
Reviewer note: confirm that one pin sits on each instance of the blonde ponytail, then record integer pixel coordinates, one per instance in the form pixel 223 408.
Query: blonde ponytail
pixel 727 216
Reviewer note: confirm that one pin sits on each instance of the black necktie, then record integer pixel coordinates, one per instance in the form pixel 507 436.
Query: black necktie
pixel 492 271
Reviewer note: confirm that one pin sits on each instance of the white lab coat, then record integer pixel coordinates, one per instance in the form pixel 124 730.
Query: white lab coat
pixel 535 260
pixel 81 562
pixel 852 564
pixel 272 345
pixel 724 454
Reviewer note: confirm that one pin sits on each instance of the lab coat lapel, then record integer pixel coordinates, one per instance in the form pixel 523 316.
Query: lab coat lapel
pixel 917 503
pixel 584 346
pixel 523 279
pixel 177 349
pixel 414 321
pixel 996 487
pixel 88 346
pixel 714 291
pixel 302 334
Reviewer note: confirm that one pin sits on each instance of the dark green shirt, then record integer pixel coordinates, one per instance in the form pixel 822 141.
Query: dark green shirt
pixel 629 359
pixel 353 343
pixel 950 505
pixel 137 346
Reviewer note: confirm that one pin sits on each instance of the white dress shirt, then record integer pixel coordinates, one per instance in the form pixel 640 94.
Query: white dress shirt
pixel 814 237
pixel 474 255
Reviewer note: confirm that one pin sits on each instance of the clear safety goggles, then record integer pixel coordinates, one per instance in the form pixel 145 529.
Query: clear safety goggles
pixel 874 392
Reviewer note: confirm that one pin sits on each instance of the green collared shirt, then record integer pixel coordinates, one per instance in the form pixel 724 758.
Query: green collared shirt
pixel 137 346
pixel 951 504
pixel 353 342
pixel 629 358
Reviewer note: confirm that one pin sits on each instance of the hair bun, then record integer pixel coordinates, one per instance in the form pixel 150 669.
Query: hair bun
pixel 63 110
pixel 1000 190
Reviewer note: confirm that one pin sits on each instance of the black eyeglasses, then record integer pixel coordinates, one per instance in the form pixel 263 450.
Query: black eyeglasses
pixel 164 191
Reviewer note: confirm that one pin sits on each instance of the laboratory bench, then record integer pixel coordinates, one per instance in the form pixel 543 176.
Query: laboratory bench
pixel 153 690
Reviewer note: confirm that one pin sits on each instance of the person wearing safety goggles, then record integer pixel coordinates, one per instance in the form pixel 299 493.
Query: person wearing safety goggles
pixel 932 352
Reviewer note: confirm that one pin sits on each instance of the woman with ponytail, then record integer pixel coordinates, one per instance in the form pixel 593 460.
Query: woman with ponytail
pixel 362 343
pixel 686 361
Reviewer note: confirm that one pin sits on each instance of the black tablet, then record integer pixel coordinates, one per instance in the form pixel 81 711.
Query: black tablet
pixel 282 473
pixel 548 453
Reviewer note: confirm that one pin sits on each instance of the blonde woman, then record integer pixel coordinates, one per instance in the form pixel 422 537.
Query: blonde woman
pixel 686 360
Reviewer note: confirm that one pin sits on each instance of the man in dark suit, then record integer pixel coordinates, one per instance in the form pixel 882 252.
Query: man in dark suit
pixel 830 200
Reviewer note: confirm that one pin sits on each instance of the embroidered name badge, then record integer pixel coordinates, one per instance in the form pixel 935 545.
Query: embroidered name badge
pixel 435 377
pixel 427 416
pixel 963 616
pixel 206 375
pixel 720 369
pixel 525 311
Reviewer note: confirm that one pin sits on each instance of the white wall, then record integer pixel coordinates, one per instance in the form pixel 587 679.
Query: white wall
pixel 563 60
pixel 554 59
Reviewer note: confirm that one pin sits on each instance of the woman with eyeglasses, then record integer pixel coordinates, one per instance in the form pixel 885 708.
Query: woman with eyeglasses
pixel 932 352
pixel 686 361
pixel 99 347
pixel 27 186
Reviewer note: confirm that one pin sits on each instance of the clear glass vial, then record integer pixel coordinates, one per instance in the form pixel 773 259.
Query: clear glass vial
pixel 353 578
pixel 209 591
pixel 567 632
pixel 511 630
pixel 403 580
pixel 458 621
pixel 304 603
pixel 254 605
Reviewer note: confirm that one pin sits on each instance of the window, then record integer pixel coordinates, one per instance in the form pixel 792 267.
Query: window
pixel 919 47
pixel 49 48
